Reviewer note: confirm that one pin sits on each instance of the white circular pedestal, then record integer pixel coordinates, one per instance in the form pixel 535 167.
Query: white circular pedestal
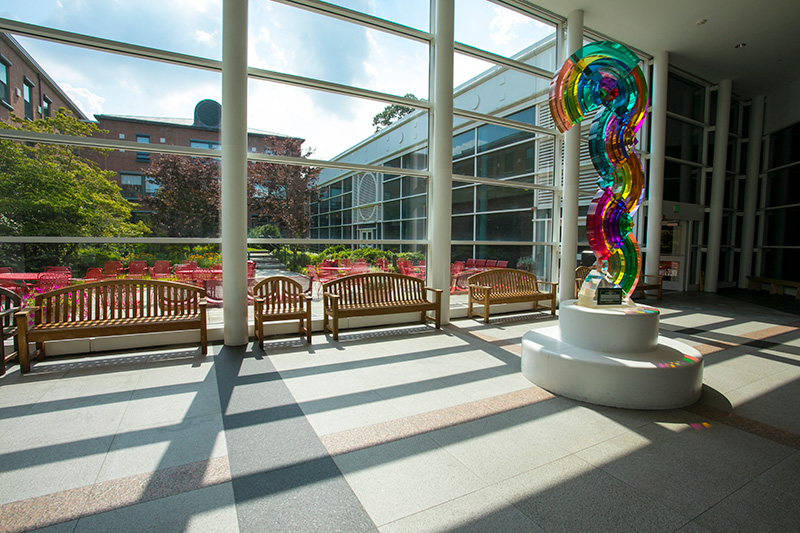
pixel 612 356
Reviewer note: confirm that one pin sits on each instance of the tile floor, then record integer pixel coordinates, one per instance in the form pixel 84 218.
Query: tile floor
pixel 404 429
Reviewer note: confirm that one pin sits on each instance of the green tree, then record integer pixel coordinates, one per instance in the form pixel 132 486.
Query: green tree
pixel 392 113
pixel 51 190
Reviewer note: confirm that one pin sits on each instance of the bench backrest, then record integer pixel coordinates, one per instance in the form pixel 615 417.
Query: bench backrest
pixel 281 294
pixel 118 298
pixel 505 280
pixel 376 288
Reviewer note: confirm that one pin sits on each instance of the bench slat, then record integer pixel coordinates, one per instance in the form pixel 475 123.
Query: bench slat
pixel 112 307
pixel 507 285
pixel 376 293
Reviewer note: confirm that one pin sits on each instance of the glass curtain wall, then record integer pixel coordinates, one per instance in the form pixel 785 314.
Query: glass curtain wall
pixel 80 190
pixel 337 76
pixel 319 75
pixel 503 137
pixel 779 204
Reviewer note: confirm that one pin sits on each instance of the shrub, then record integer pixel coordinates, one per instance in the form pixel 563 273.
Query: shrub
pixel 527 263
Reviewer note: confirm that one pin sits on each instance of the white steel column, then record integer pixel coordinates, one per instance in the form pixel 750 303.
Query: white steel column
pixel 751 188
pixel 718 184
pixel 572 163
pixel 655 185
pixel 234 170
pixel 440 152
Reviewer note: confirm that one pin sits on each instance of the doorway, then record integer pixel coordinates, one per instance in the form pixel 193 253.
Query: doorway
pixel 672 263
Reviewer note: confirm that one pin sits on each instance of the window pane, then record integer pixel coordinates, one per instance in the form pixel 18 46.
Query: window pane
pixel 193 28
pixel 505 226
pixel 783 186
pixel 681 182
pixel 684 140
pixel 497 29
pixel 412 13
pixel 503 198
pixel 295 41
pixel 685 98
pixel 508 162
pixel 463 200
pixel 391 210
pixel 779 225
pixel 462 228
pixel 464 144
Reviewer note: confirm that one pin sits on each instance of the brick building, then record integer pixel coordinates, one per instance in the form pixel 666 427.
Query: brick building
pixel 26 90
pixel 201 131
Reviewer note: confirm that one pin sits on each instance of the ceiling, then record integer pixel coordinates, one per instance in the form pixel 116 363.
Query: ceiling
pixel 770 29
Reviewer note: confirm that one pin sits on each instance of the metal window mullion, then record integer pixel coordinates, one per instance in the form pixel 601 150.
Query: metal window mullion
pixel 357 17
pixel 491 57
pixel 107 45
pixel 499 121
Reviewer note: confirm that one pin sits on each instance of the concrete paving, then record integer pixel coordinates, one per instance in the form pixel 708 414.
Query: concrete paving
pixel 404 428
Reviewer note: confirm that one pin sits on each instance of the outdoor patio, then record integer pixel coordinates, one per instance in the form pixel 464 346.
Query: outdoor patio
pixel 404 429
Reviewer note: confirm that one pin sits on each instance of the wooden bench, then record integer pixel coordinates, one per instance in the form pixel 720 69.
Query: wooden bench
pixel 9 306
pixel 377 293
pixel 776 286
pixel 507 285
pixel 281 298
pixel 108 308
pixel 648 282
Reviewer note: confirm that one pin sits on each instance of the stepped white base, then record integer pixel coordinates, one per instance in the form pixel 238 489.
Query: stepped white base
pixel 665 374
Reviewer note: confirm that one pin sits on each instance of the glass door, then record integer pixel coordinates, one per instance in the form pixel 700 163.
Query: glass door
pixel 672 264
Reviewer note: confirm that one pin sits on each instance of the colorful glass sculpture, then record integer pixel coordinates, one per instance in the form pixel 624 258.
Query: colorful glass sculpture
pixel 605 76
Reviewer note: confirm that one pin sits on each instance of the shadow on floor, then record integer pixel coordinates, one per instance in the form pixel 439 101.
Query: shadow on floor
pixel 786 304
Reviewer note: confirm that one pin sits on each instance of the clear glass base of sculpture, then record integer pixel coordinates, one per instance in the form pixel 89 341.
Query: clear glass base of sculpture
pixel 587 296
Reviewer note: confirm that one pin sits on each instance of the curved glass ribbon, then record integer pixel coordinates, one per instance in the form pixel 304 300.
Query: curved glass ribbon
pixel 605 76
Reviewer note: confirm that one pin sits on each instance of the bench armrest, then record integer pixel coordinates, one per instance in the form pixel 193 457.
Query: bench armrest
pixel 22 317
pixel 552 284
pixel 330 300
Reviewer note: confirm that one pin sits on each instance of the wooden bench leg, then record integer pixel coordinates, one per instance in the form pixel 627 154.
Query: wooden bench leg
pixel 22 332
pixel 308 322
pixel 259 331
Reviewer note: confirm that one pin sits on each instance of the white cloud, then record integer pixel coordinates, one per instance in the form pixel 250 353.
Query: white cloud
pixel 131 87
pixel 207 38
pixel 201 6
pixel 504 25
pixel 89 102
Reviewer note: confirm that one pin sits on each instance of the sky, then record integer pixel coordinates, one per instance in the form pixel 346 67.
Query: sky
pixel 281 38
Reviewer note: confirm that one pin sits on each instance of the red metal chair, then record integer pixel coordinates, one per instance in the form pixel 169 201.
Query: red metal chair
pixel 112 269
pixel 502 264
pixel 470 263
pixel 93 274
pixel 49 281
pixel 20 288
pixel 137 269
pixel 160 270
pixel 383 264
pixel 480 264
pixel 359 266
pixel 491 263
